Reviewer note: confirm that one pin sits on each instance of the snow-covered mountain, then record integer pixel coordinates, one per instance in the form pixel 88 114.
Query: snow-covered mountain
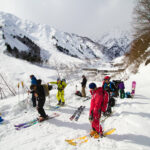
pixel 116 42
pixel 41 43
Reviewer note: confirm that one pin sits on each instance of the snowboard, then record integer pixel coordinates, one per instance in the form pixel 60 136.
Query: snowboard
pixel 84 139
pixel 133 88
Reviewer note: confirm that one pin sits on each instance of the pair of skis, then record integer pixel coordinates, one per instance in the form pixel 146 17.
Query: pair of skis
pixel 77 113
pixel 84 139
pixel 32 122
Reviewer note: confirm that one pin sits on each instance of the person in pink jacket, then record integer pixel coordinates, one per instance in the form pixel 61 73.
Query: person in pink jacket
pixel 99 102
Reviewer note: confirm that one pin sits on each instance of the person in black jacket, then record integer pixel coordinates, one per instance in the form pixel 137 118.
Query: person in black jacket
pixel 40 96
pixel 83 84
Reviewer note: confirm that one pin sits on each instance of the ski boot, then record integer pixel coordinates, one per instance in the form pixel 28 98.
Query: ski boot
pixel 40 119
pixel 59 103
pixel 63 103
pixel 92 133
pixel 98 135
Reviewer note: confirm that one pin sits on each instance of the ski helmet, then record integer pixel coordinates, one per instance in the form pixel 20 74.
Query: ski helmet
pixel 58 79
pixel 64 80
pixel 92 85
pixel 107 78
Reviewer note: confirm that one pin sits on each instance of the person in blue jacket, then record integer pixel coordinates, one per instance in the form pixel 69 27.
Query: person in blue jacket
pixel 33 82
pixel 1 119
pixel 110 88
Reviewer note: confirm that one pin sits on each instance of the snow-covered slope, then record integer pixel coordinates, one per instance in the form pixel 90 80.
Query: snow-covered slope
pixel 117 42
pixel 25 38
pixel 130 118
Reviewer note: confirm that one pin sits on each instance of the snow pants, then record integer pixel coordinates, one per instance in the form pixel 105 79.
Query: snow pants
pixel 33 100
pixel 122 94
pixel 40 109
pixel 96 125
pixel 60 96
pixel 83 92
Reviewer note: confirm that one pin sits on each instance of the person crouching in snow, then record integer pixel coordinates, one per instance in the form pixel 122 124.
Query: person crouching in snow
pixel 99 102
pixel 40 97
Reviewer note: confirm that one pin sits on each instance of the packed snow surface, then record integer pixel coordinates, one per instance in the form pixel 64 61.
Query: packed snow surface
pixel 131 117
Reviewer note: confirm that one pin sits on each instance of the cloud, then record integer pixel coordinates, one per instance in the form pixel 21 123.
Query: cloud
pixel 85 17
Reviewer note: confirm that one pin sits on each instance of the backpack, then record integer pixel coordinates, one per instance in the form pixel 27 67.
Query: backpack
pixel 78 93
pixel 50 87
pixel 46 89
pixel 116 83
pixel 128 95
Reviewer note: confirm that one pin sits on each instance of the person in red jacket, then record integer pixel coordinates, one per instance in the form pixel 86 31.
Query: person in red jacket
pixel 99 102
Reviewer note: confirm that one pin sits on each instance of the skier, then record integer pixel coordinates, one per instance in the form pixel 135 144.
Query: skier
pixel 40 96
pixel 1 119
pixel 116 84
pixel 99 102
pixel 60 94
pixel 83 84
pixel 33 82
pixel 121 88
pixel 110 88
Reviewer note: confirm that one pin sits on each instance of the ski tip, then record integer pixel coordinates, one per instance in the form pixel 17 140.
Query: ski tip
pixel 109 131
pixel 71 142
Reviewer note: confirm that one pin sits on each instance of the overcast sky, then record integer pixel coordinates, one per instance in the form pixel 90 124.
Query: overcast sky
pixel 84 17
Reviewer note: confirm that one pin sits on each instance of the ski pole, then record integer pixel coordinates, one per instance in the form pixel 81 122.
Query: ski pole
pixel 22 88
pixel 18 92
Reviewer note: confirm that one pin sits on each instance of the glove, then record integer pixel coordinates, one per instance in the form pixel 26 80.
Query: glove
pixel 106 114
pixel 59 89
pixel 91 118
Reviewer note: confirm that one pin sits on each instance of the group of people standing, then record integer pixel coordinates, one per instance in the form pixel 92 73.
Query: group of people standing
pixel 101 100
pixel 38 95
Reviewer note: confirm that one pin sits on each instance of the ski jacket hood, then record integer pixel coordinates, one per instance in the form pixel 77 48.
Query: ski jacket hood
pixel 33 81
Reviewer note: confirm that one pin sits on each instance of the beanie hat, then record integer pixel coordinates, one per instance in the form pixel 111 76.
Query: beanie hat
pixel 58 79
pixel 92 85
